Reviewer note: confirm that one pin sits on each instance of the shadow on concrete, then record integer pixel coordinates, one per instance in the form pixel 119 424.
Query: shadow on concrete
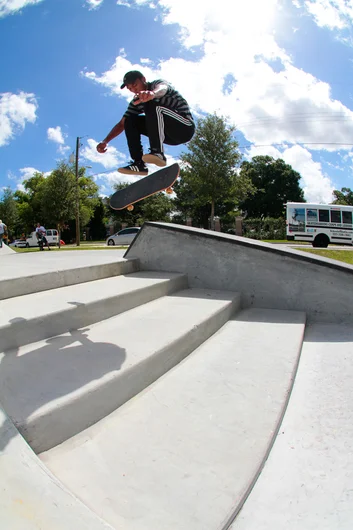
pixel 330 333
pixel 32 378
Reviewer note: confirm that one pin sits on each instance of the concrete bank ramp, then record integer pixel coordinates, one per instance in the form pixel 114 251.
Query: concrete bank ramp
pixel 184 453
pixel 5 250
pixel 266 275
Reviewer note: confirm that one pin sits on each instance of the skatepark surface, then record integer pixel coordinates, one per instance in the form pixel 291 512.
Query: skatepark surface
pixel 197 381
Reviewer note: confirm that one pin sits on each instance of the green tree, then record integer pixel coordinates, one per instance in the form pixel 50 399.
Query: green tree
pixel 9 210
pixel 98 222
pixel 345 197
pixel 58 196
pixel 88 197
pixel 30 201
pixel 276 183
pixel 158 207
pixel 210 167
pixel 188 204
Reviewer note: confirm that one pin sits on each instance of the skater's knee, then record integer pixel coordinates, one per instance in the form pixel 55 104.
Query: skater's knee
pixel 130 121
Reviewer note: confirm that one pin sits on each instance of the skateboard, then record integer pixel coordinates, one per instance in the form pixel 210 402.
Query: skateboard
pixel 161 180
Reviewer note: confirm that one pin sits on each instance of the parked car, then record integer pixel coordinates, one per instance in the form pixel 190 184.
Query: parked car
pixel 21 243
pixel 123 237
pixel 51 235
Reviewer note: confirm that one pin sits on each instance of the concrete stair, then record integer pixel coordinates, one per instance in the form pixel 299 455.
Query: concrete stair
pixel 135 391
pixel 186 452
pixel 32 317
pixel 55 388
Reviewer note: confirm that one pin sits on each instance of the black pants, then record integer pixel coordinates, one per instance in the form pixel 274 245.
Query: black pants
pixel 161 125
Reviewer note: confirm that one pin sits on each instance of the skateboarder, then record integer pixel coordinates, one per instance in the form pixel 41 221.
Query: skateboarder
pixel 157 111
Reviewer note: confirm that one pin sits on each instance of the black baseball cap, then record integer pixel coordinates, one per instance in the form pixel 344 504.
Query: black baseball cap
pixel 130 77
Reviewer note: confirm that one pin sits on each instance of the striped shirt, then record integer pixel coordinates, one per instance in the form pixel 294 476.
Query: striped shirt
pixel 171 100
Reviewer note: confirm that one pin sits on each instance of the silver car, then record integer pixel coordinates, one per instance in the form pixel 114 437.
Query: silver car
pixel 123 237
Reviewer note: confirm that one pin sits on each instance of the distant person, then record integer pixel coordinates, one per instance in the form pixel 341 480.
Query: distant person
pixel 157 111
pixel 3 229
pixel 41 233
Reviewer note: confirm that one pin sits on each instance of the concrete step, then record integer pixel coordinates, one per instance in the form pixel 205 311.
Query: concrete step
pixel 31 497
pixel 56 388
pixel 24 274
pixel 36 316
pixel 185 453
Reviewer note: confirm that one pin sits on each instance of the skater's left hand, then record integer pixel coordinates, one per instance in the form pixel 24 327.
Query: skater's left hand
pixel 143 97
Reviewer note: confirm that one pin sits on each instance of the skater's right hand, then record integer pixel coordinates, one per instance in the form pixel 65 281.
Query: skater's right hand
pixel 102 147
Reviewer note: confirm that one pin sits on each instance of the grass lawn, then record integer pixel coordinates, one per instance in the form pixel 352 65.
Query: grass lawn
pixel 280 241
pixel 341 255
pixel 67 248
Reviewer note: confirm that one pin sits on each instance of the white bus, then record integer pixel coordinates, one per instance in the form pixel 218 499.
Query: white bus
pixel 320 224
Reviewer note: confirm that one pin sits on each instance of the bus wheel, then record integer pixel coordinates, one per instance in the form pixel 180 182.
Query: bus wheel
pixel 321 241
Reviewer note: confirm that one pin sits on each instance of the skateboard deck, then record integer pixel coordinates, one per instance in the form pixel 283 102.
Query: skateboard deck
pixel 161 180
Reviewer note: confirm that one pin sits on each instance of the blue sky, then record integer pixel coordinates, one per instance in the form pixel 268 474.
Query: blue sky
pixel 281 70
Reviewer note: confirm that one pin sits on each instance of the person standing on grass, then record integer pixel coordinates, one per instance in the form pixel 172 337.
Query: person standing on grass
pixel 41 232
pixel 157 111
pixel 3 229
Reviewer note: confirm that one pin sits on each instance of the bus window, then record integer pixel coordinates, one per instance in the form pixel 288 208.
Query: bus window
pixel 311 215
pixel 347 218
pixel 335 216
pixel 324 216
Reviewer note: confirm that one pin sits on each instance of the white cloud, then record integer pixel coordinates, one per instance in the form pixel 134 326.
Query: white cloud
pixel 15 111
pixel 63 149
pixel 317 186
pixel 268 104
pixel 114 177
pixel 94 4
pixel 55 135
pixel 333 14
pixel 112 158
pixel 124 3
pixel 25 174
pixel 9 7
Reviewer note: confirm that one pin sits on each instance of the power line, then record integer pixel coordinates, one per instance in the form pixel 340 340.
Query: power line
pixel 285 144
pixel 252 145
pixel 297 118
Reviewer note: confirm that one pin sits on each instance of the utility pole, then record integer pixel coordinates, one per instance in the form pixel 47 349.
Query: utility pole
pixel 77 195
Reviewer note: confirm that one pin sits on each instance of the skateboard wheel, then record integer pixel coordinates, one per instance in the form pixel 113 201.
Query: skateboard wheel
pixel 130 207
pixel 169 190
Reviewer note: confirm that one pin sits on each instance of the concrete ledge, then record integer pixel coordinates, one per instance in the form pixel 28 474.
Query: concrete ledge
pixel 185 453
pixel 43 281
pixel 56 388
pixel 31 497
pixel 37 316
pixel 266 276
